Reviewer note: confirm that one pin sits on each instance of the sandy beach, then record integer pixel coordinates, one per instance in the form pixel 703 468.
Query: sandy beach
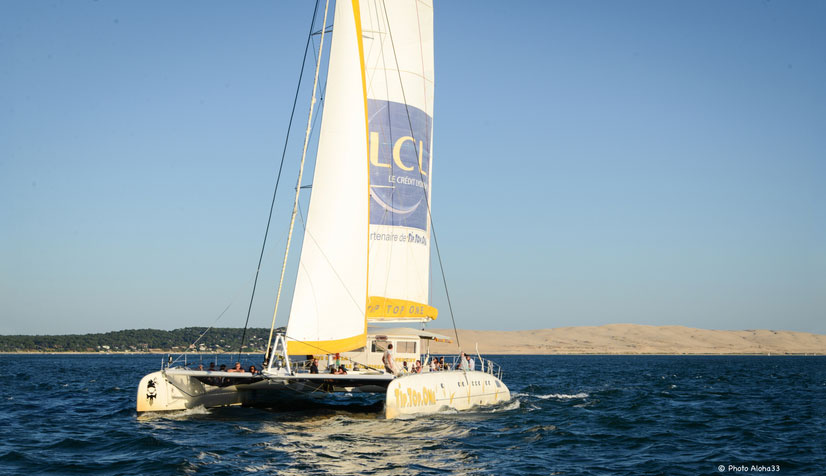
pixel 634 339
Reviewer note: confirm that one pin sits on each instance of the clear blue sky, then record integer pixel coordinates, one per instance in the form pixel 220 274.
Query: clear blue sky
pixel 594 162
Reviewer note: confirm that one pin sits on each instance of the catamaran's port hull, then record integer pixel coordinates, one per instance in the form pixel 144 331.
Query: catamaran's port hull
pixel 171 390
pixel 430 392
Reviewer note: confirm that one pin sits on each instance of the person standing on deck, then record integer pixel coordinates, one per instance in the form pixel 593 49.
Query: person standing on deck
pixel 389 360
pixel 463 363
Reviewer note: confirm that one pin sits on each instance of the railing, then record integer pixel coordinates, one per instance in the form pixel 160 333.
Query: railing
pixel 492 368
pixel 481 364
pixel 303 366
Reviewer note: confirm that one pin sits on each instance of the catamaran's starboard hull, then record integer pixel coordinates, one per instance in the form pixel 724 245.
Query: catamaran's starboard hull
pixel 432 392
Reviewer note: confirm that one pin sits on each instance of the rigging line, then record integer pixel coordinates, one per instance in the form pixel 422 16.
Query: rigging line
pixel 424 87
pixel 384 69
pixel 298 183
pixel 424 189
pixel 277 182
pixel 315 124
pixel 327 29
pixel 231 302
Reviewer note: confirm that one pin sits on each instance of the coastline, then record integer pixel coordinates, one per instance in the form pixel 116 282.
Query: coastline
pixel 455 352
pixel 635 339
pixel 610 339
pixel 124 353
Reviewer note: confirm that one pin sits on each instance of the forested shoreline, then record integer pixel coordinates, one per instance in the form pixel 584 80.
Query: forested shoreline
pixel 219 339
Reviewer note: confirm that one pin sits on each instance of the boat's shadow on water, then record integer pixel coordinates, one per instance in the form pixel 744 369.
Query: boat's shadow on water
pixel 289 412
pixel 298 411
pixel 330 438
pixel 354 409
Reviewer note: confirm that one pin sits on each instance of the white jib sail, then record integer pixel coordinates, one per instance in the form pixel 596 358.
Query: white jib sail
pixel 398 45
pixel 328 307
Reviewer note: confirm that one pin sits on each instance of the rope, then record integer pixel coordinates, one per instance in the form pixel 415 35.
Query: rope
pixel 424 189
pixel 298 184
pixel 277 182
pixel 192 345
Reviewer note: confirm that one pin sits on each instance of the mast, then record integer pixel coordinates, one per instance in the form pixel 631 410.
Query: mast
pixel 300 175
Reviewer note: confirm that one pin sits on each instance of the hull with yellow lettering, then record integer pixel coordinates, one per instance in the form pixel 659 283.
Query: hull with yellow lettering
pixel 432 392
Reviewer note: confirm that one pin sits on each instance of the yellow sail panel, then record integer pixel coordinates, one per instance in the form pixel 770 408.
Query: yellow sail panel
pixel 295 347
pixel 379 307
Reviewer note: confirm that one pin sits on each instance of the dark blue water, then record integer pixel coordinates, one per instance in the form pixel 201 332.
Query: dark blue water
pixel 571 415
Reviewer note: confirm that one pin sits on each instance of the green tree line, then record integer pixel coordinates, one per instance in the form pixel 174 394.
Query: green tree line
pixel 141 340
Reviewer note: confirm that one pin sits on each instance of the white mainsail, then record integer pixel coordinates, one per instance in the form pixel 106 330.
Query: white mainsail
pixel 328 308
pixel 366 248
pixel 398 45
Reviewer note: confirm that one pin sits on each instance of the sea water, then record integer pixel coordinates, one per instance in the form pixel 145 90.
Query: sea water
pixel 570 415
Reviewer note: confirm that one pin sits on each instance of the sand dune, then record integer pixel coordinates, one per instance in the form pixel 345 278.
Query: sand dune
pixel 634 339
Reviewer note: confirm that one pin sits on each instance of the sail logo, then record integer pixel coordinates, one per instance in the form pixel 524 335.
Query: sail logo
pixel 399 151
pixel 384 307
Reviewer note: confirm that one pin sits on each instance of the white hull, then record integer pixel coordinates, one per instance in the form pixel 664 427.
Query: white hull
pixel 170 390
pixel 432 392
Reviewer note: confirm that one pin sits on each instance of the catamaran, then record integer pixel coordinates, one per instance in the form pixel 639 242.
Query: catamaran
pixel 366 252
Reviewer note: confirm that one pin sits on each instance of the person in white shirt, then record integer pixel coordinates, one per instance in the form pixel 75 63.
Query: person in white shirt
pixel 462 364
pixel 389 361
